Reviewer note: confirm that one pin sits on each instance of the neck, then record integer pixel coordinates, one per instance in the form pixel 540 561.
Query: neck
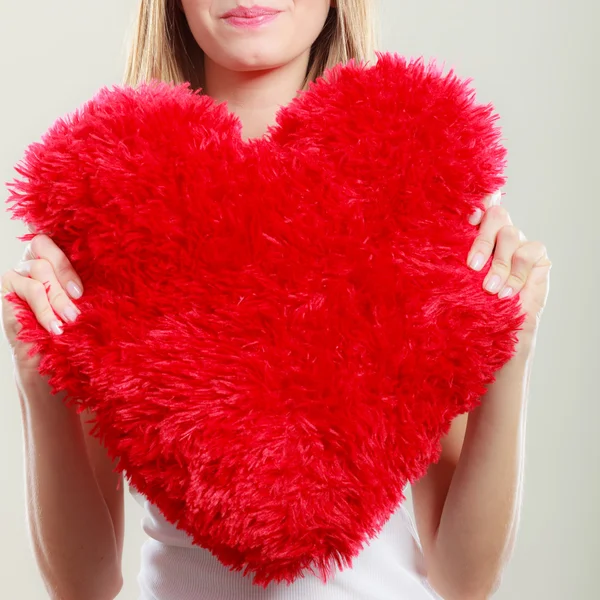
pixel 255 96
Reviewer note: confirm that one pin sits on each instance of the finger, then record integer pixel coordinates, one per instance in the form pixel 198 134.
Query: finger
pixel 42 246
pixel 496 198
pixel 507 242
pixel 494 219
pixel 489 200
pixel 42 271
pixel 34 293
pixel 526 257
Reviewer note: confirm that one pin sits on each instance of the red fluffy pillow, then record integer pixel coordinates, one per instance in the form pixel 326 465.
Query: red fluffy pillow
pixel 275 333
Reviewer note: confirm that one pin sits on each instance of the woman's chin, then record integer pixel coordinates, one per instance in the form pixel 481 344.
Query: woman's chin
pixel 257 61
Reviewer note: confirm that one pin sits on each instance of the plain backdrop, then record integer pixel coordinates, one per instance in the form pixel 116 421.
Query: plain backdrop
pixel 538 62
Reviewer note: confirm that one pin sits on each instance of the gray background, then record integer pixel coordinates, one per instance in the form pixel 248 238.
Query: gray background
pixel 537 60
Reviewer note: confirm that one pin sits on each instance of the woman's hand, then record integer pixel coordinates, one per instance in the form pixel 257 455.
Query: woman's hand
pixel 518 266
pixel 46 280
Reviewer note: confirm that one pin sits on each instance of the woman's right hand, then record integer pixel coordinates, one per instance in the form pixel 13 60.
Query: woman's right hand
pixel 46 280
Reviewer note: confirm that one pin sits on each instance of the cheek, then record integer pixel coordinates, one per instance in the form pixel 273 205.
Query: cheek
pixel 295 33
pixel 201 17
pixel 309 19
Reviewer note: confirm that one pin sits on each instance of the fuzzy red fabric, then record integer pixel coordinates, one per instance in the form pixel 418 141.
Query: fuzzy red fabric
pixel 274 333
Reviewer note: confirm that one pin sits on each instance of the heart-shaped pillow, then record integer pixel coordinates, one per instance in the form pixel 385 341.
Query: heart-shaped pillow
pixel 275 333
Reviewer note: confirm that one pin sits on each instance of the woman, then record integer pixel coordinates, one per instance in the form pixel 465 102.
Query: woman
pixel 467 505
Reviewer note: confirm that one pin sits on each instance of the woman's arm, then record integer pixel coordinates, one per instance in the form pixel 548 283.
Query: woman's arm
pixel 467 505
pixel 77 541
pixel 109 481
pixel 74 508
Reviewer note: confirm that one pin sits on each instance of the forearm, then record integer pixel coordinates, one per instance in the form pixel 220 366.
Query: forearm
pixel 478 522
pixel 70 524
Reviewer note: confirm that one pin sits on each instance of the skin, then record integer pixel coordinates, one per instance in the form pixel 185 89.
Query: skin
pixel 466 506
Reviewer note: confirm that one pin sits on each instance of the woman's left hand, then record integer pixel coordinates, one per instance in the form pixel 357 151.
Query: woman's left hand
pixel 518 266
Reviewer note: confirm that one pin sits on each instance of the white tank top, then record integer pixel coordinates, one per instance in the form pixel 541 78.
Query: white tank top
pixel 389 567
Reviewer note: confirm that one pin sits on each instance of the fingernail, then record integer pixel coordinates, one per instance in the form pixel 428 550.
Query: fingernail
pixel 475 217
pixel 70 314
pixel 493 283
pixel 74 290
pixel 56 328
pixel 477 261
pixel 496 197
pixel 507 291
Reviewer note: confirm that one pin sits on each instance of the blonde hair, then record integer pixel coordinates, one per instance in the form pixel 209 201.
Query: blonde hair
pixel 164 48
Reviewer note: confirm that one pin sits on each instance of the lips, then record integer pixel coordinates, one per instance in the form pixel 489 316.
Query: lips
pixel 253 12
